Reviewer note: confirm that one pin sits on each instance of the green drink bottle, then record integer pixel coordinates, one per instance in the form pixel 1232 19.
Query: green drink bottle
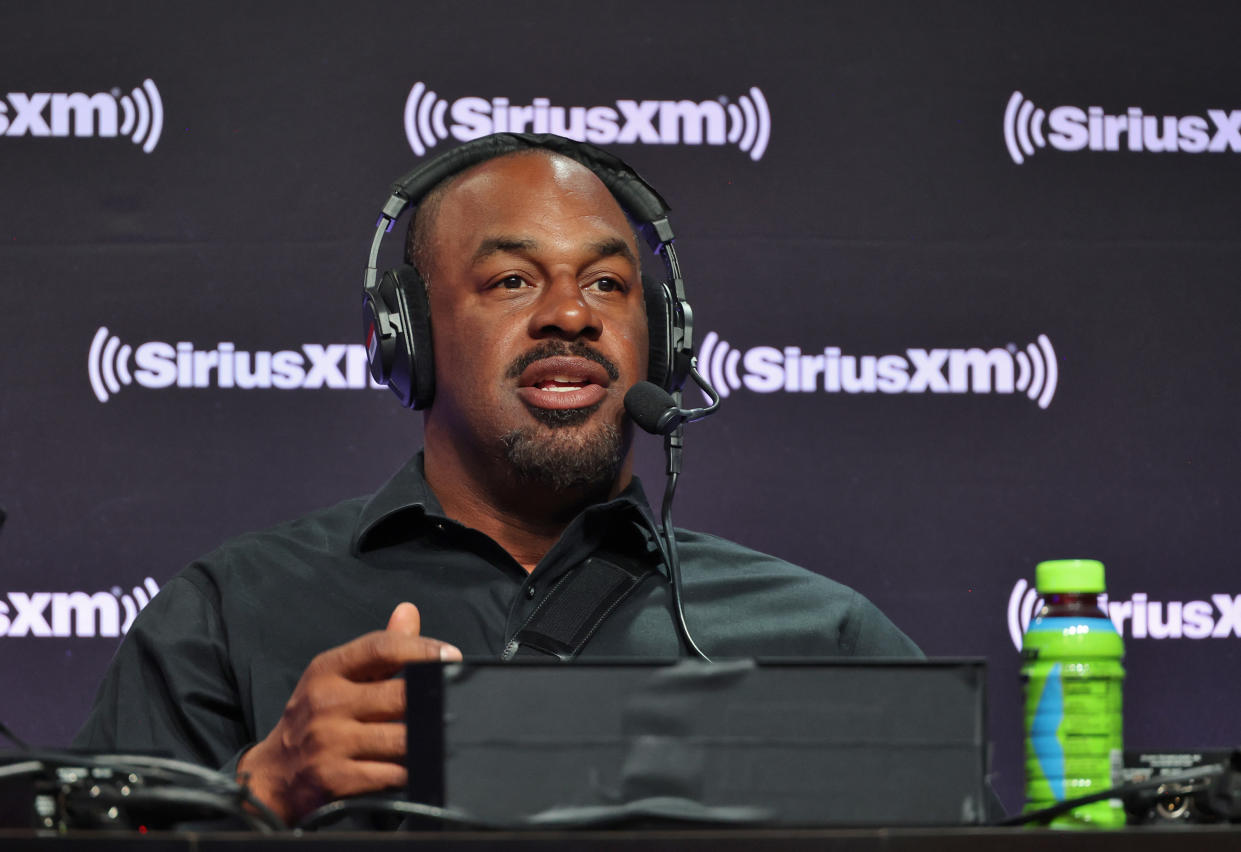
pixel 1071 669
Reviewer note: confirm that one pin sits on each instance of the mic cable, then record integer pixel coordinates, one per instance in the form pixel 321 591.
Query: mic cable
pixel 660 413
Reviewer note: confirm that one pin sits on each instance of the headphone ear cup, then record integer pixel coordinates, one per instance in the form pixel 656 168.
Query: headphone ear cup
pixel 658 299
pixel 397 326
pixel 379 329
pixel 411 293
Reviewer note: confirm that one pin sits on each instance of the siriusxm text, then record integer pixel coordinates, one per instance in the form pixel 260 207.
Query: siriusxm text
pixel 337 365
pixel 768 369
pixel 64 614
pixel 649 122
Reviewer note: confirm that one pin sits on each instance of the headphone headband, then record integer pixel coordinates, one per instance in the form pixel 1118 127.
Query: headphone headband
pixel 638 197
pixel 390 319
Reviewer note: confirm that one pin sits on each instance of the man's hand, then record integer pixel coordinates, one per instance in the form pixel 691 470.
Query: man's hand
pixel 343 731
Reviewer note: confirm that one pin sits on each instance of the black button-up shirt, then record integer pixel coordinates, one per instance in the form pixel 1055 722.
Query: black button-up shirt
pixel 207 667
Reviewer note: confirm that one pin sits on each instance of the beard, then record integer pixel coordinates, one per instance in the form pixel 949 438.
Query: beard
pixel 559 456
pixel 562 451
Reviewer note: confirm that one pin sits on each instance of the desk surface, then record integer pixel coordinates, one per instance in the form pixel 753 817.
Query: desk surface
pixel 1196 838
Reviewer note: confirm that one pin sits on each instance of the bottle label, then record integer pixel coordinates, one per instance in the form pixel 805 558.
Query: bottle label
pixel 1073 679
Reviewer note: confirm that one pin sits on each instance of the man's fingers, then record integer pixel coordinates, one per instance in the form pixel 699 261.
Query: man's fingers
pixel 405 619
pixel 378 701
pixel 317 784
pixel 380 741
pixel 342 730
pixel 367 776
pixel 382 654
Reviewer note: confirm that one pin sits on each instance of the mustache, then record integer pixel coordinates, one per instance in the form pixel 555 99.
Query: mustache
pixel 555 348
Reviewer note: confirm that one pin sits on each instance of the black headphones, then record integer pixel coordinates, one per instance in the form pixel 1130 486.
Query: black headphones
pixel 396 319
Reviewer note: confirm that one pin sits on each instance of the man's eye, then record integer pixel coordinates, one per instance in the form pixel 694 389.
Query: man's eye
pixel 512 282
pixel 608 285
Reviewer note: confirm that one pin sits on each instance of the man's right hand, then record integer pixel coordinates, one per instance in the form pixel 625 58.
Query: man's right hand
pixel 342 732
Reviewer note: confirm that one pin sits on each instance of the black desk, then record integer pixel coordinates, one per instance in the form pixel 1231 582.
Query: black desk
pixel 1180 839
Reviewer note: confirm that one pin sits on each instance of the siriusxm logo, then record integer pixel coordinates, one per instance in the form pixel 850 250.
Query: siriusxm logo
pixel 767 369
pixel 1140 618
pixel 112 365
pixel 1071 128
pixel 138 115
pixel 44 614
pixel 744 122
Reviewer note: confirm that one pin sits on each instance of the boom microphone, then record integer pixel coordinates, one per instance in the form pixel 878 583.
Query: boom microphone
pixel 657 412
pixel 652 408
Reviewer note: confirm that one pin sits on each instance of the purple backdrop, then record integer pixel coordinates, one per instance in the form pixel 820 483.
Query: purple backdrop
pixel 969 275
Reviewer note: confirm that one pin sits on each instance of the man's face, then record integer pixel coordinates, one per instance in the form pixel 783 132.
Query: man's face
pixel 537 319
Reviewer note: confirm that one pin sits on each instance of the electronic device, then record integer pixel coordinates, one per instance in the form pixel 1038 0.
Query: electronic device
pixel 397 322
pixel 741 742
pixel 1185 800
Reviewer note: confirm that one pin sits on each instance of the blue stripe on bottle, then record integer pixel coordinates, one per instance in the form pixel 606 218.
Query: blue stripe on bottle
pixel 1043 739
pixel 1059 623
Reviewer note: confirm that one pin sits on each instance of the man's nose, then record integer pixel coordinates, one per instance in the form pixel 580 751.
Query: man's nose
pixel 564 311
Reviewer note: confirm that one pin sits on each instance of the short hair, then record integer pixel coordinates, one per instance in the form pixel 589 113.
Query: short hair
pixel 422 224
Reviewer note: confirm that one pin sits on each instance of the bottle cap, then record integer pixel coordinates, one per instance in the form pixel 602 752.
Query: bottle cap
pixel 1061 576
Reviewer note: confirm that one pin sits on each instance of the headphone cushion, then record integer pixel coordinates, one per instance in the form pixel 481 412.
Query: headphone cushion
pixel 399 302
pixel 415 313
pixel 658 301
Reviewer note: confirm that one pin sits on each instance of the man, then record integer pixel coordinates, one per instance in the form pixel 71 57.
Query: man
pixel 258 658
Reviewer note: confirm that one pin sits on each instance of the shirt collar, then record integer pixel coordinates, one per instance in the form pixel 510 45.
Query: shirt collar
pixel 408 496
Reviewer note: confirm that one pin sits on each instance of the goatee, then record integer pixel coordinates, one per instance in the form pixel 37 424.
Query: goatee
pixel 561 458
pixel 555 453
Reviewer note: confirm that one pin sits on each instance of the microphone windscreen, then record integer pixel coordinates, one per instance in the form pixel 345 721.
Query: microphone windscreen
pixel 647 403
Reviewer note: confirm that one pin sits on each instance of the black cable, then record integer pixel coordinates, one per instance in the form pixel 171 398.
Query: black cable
pixel 177 783
pixel 167 767
pixel 674 567
pixel 234 790
pixel 369 804
pixel 12 737
pixel 25 767
pixel 1203 774
pixel 661 810
pixel 273 819
pixel 162 801
pixel 210 775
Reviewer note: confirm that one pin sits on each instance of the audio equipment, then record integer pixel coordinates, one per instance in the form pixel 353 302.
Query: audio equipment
pixel 655 411
pixel 396 319
pixel 806 742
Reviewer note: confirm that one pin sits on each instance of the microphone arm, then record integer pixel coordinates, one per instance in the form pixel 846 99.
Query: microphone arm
pixel 656 411
pixel 674 417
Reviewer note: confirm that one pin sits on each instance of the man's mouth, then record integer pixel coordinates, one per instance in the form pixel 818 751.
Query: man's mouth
pixel 562 382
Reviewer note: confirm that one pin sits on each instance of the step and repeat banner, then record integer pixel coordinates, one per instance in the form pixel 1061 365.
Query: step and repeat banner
pixel 969 279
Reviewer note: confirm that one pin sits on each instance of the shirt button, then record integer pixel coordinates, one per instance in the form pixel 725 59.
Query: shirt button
pixel 530 592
